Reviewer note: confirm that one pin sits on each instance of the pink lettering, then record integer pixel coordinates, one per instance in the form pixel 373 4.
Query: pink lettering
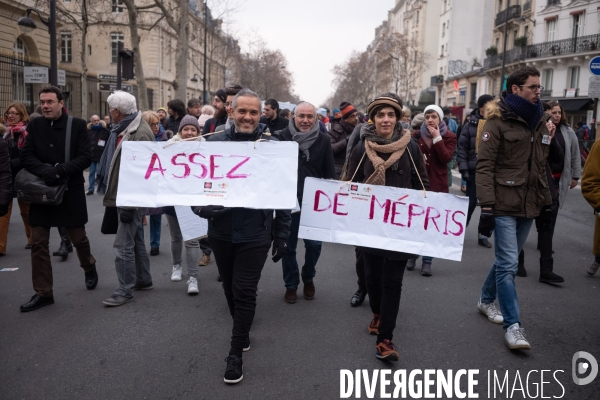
pixel 230 174
pixel 213 167
pixel 460 226
pixel 394 213
pixel 152 168
pixel 412 213
pixel 336 203
pixel 429 217
pixel 386 206
pixel 204 169
pixel 186 167
pixel 317 201
pixel 447 218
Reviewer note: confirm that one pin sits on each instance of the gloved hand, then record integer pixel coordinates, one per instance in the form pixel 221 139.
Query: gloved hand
pixel 465 175
pixel 279 248
pixel 61 170
pixel 3 210
pixel 126 215
pixel 210 212
pixel 487 222
pixel 51 176
pixel 546 218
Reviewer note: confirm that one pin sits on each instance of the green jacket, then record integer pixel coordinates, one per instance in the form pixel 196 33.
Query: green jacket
pixel 138 130
pixel 511 175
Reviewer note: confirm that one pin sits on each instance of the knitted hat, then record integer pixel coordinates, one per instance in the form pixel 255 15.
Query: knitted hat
pixel 162 109
pixel 384 100
pixel 417 121
pixel 347 109
pixel 322 112
pixel 435 108
pixel 222 95
pixel 483 99
pixel 337 113
pixel 189 120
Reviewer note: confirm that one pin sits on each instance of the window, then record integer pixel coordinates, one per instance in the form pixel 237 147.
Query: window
pixel 548 77
pixel 19 87
pixel 66 46
pixel 573 78
pixel 89 49
pixel 443 29
pixel 550 30
pixel 515 35
pixel 115 39
pixel 442 51
pixel 473 97
pixel 526 31
pixel 577 22
pixel 498 44
pixel 117 6
pixel 417 17
pixel 499 5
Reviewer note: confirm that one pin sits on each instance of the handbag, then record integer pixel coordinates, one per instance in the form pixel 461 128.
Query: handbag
pixel 32 189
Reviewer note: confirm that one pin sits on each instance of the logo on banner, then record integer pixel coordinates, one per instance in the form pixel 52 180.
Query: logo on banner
pixel 207 185
pixel 580 368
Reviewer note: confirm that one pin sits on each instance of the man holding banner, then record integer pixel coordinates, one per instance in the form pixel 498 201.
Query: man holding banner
pixel 315 159
pixel 241 238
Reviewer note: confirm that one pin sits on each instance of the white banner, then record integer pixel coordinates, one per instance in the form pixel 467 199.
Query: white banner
pixel 260 175
pixel 191 225
pixel 384 217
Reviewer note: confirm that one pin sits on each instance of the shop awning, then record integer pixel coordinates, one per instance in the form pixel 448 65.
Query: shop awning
pixel 574 104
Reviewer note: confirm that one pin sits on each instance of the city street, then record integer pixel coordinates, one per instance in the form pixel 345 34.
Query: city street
pixel 168 345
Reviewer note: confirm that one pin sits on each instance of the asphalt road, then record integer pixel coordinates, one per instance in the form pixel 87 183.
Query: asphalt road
pixel 168 345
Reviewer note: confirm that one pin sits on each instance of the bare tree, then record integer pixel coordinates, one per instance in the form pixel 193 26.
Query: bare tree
pixel 353 81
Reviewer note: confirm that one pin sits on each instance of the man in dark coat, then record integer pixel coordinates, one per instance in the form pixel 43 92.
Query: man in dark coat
pixel 241 238
pixel 5 179
pixel 467 157
pixel 98 134
pixel 315 160
pixel 271 117
pixel 176 110
pixel 339 133
pixel 44 156
pixel 220 117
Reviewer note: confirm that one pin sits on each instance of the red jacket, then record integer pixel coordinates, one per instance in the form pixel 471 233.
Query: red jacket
pixel 436 161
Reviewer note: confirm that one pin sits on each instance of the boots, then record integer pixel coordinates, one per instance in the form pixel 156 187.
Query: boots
pixel 521 267
pixel 546 274
pixel 65 244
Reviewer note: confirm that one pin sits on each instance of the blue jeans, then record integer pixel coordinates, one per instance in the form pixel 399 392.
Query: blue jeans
pixel 92 178
pixel 509 236
pixel 155 225
pixel 289 262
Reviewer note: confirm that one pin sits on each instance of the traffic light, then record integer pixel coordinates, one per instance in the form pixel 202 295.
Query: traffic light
pixel 126 64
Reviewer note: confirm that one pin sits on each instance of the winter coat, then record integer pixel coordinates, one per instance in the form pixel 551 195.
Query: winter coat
pixel 46 145
pixel 6 181
pixel 437 159
pixel 572 161
pixel 98 140
pixel 137 130
pixel 241 225
pixel 320 160
pixel 14 154
pixel 172 124
pixel 511 174
pixel 277 124
pixel 212 123
pixel 467 156
pixel 338 136
pixel 590 188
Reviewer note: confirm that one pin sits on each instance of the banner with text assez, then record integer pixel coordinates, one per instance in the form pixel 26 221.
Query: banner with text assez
pixel 384 217
pixel 259 175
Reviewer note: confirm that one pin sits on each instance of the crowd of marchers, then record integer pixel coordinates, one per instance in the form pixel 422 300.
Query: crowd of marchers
pixel 518 159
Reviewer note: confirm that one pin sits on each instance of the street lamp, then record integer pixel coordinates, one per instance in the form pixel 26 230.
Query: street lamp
pixel 27 25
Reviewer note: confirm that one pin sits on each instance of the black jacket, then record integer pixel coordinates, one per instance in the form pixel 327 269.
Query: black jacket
pixel 98 139
pixel 173 124
pixel 6 194
pixel 320 160
pixel 467 158
pixel 241 225
pixel 338 136
pixel 45 144
pixel 276 124
pixel 211 124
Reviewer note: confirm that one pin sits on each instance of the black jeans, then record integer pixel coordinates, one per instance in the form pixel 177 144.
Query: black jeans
pixel 472 195
pixel 240 266
pixel 360 271
pixel 384 285
pixel 205 246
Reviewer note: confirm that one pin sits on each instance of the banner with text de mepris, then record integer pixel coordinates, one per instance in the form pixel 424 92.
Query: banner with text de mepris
pixel 260 175
pixel 384 217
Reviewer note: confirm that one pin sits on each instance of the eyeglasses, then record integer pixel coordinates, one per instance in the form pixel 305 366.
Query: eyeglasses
pixel 154 125
pixel 533 88
pixel 12 113
pixel 48 102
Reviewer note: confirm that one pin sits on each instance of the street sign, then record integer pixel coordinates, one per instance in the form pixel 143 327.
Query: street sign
pixel 571 92
pixel 35 74
pixel 595 66
pixel 62 77
pixel 108 77
pixel 111 87
pixel 594 87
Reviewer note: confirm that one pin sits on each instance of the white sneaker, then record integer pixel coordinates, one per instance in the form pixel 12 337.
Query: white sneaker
pixel 593 268
pixel 515 338
pixel 490 311
pixel 176 275
pixel 192 286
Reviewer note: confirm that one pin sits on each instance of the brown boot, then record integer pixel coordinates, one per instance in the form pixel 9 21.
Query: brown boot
pixel 374 325
pixel 309 290
pixel 204 260
pixel 290 296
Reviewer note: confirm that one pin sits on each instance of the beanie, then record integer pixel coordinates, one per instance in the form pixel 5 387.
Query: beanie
pixel 322 112
pixel 189 120
pixel 222 95
pixel 347 109
pixel 483 99
pixel 435 108
pixel 417 121
pixel 162 109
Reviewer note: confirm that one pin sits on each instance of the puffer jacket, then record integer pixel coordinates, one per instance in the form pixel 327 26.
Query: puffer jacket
pixel 511 174
pixel 467 156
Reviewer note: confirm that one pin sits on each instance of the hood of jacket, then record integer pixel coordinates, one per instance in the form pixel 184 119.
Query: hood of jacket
pixel 102 123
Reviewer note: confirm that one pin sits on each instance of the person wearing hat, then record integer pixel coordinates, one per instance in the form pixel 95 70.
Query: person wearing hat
pixel 339 133
pixel 337 115
pixel 385 143
pixel 322 116
pixel 162 116
pixel 467 157
pixel 220 116
pixel 437 144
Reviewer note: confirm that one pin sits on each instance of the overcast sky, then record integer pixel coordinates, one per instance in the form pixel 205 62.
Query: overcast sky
pixel 314 35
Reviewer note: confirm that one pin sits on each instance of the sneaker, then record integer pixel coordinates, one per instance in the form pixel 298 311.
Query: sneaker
pixel 426 269
pixel 490 311
pixel 90 192
pixel 290 296
pixel 192 286
pixel 373 327
pixel 515 338
pixel 115 300
pixel 219 279
pixel 154 251
pixel 593 268
pixel 234 372
pixel 484 242
pixel 176 275
pixel 247 345
pixel 387 351
pixel 147 286
pixel 204 261
pixel 411 264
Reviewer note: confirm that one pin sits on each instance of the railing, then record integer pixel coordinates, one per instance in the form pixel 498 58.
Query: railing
pixel 513 55
pixel 437 80
pixel 553 2
pixel 513 12
pixel 527 6
pixel 566 46
pixel 546 93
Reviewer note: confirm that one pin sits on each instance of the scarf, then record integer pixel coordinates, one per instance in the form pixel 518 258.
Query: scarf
pixel 103 168
pixel 394 146
pixel 304 139
pixel 20 130
pixel 426 135
pixel 96 127
pixel 530 112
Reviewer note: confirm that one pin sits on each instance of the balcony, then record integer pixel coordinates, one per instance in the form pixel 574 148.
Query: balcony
pixel 581 44
pixel 527 7
pixel 513 12
pixel 514 55
pixel 546 93
pixel 553 2
pixel 437 80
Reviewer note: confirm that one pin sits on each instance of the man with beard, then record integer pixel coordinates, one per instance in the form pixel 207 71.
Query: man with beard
pixel 239 239
pixel 271 118
pixel 315 160
pixel 220 117
pixel 339 134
